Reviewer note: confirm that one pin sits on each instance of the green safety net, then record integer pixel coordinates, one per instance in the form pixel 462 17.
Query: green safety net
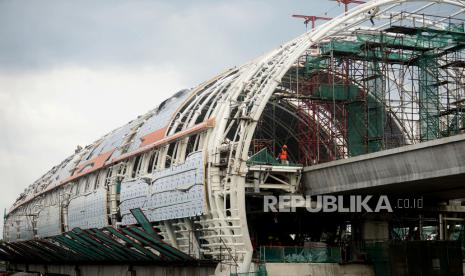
pixel 376 116
pixel 338 92
pixel 356 128
pixel 428 68
pixel 296 254
pixel 355 49
pixel 263 158
pixel 456 27
pixel 365 117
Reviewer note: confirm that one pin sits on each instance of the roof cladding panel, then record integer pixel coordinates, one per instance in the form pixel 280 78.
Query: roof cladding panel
pixel 113 140
pixel 161 117
pixel 158 118
pixel 67 169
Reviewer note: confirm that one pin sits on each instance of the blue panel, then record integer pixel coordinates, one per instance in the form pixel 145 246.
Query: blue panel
pixel 133 195
pixel 48 222
pixel 161 117
pixel 113 140
pixel 177 192
pixel 88 211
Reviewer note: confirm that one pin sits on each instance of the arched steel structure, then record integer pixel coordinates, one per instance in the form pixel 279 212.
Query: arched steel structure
pixel 219 118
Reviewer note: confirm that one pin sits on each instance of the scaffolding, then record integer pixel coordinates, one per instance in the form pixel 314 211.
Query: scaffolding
pixel 379 89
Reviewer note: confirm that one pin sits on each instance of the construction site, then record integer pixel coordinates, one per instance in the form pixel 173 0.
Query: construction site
pixel 369 103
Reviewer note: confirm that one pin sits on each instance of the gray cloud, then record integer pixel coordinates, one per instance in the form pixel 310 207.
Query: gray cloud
pixel 187 34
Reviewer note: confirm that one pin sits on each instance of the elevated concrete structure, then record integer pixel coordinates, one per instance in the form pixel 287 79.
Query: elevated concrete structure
pixel 436 166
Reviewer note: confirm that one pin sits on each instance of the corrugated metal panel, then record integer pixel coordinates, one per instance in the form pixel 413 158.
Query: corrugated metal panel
pixel 48 222
pixel 88 211
pixel 177 192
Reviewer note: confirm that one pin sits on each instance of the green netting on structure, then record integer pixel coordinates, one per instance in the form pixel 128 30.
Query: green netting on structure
pixel 263 158
pixel 356 51
pixel 296 254
pixel 375 107
pixel 356 128
pixel 417 42
pixel 452 33
pixel 456 27
pixel 423 39
pixel 365 128
pixel 428 73
pixel 365 120
pixel 314 64
pixel 338 92
pixel 349 47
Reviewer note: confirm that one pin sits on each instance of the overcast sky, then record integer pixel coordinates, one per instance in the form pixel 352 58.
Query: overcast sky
pixel 71 71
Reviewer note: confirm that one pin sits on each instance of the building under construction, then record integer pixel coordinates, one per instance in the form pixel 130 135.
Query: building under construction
pixel 371 102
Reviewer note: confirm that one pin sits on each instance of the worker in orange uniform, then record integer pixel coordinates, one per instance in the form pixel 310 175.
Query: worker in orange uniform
pixel 283 155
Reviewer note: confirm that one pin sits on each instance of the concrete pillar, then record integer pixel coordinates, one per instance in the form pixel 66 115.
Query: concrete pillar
pixel 441 227
pixel 420 226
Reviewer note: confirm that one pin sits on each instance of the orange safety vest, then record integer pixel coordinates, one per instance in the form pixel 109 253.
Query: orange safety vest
pixel 283 154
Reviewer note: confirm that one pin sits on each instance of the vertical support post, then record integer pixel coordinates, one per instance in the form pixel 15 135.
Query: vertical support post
pixel 441 227
pixel 420 226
